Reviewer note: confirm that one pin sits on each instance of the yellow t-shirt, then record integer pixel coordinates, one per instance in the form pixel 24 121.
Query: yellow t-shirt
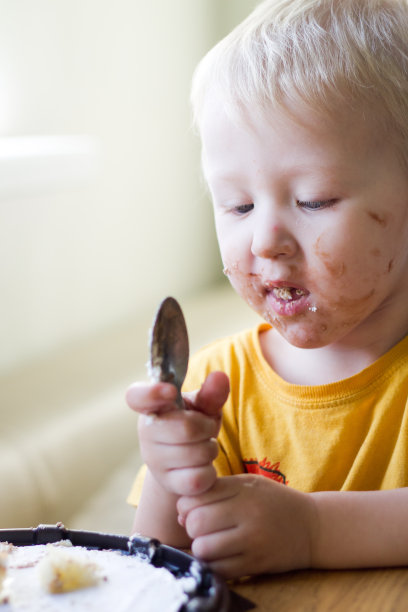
pixel 347 435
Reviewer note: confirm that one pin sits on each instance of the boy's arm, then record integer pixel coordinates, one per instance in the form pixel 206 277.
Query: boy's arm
pixel 248 524
pixel 156 515
pixel 360 529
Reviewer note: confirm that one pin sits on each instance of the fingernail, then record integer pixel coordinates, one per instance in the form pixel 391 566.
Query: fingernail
pixel 181 520
pixel 168 392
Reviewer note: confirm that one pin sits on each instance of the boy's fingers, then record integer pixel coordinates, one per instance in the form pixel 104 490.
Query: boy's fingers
pixel 151 398
pixel 197 455
pixel 191 481
pixel 159 398
pixel 176 427
pixel 224 488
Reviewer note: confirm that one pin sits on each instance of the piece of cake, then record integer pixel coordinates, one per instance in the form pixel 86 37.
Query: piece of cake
pixel 60 571
pixel 5 550
pixel 3 573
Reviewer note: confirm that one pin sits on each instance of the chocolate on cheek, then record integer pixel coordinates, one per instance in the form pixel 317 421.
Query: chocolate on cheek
pixel 335 268
pixel 248 285
pixel 351 299
pixel 382 220
pixel 390 265
pixel 354 305
pixel 378 218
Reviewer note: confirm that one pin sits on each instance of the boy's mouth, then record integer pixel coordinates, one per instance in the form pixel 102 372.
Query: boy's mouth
pixel 288 294
pixel 286 300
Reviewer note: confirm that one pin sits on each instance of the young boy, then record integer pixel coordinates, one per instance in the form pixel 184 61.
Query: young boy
pixel 303 116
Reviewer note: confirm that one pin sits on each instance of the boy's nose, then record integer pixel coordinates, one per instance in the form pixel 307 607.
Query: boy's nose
pixel 273 241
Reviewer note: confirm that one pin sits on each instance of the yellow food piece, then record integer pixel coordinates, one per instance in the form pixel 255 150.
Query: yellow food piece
pixel 59 572
pixel 3 565
pixel 3 572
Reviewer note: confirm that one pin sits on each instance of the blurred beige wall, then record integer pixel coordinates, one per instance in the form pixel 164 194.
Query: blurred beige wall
pixel 76 260
pixel 234 11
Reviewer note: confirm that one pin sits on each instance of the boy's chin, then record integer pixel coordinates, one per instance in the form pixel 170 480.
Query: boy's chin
pixel 300 335
pixel 305 342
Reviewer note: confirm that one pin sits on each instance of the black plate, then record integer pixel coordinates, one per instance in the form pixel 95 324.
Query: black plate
pixel 210 594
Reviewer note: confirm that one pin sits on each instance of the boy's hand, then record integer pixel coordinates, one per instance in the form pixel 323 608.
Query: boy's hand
pixel 179 446
pixel 248 524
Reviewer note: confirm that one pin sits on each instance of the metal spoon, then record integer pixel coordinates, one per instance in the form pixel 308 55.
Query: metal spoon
pixel 169 349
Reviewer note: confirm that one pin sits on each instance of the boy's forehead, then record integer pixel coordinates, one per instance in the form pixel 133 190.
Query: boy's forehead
pixel 343 123
pixel 304 140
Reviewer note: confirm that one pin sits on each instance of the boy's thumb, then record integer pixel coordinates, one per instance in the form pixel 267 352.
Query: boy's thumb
pixel 212 395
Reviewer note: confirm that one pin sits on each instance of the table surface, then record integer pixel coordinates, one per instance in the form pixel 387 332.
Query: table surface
pixel 377 590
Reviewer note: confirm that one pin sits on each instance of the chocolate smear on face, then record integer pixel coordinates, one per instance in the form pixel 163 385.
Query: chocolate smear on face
pixel 377 218
pixel 335 268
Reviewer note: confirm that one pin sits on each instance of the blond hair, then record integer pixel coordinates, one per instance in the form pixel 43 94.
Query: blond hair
pixel 322 52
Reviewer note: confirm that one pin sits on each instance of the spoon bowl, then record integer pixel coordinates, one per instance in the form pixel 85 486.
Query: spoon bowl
pixel 169 346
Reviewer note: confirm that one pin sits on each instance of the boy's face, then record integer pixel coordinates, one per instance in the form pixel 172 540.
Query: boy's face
pixel 312 221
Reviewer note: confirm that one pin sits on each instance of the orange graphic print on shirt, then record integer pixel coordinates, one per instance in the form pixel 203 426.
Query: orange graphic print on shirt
pixel 265 468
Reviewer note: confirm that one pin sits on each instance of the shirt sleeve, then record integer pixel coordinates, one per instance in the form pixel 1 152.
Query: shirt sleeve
pixel 137 486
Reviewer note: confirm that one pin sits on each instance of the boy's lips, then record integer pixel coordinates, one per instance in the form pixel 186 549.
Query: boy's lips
pixel 286 298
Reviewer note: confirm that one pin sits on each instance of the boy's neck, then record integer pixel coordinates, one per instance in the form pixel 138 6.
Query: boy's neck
pixel 323 365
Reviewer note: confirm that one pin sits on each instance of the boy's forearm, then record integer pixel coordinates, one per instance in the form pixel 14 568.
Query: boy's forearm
pixel 360 529
pixel 156 515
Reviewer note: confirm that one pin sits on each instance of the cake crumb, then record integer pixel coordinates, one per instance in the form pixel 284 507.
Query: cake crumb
pixel 3 574
pixel 60 572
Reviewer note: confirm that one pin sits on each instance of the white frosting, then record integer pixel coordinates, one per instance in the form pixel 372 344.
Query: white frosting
pixel 129 583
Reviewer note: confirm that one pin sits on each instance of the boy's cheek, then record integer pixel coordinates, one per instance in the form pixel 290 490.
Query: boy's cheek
pixel 245 282
pixel 328 263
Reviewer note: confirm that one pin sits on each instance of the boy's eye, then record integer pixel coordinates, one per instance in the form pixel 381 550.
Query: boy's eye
pixel 241 209
pixel 315 204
